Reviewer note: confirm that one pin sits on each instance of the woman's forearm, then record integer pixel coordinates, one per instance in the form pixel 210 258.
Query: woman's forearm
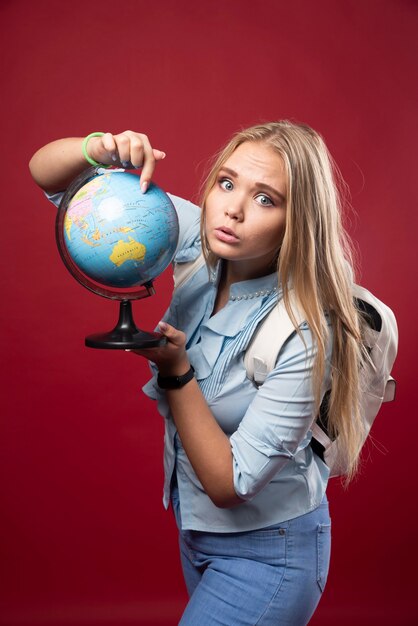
pixel 206 445
pixel 55 165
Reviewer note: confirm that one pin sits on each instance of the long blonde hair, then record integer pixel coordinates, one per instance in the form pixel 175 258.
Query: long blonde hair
pixel 315 257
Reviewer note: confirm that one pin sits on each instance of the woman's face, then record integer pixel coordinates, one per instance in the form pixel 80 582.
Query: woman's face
pixel 246 210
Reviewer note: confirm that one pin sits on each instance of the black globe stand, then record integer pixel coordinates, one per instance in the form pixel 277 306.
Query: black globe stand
pixel 125 335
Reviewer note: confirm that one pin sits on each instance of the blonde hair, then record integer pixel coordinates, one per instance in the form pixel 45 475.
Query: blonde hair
pixel 315 258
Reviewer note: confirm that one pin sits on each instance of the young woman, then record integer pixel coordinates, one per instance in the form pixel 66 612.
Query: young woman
pixel 246 487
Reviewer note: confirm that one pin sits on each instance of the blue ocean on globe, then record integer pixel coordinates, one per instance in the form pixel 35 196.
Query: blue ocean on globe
pixel 118 236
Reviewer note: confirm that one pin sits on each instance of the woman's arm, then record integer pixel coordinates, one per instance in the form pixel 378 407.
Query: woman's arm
pixel 207 447
pixel 56 164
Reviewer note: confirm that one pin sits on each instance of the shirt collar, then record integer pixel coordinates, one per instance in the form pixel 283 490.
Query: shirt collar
pixel 247 289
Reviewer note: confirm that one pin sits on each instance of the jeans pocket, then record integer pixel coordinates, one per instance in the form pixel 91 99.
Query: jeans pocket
pixel 323 549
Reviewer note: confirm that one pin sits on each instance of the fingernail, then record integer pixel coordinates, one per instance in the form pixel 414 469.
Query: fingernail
pixel 114 157
pixel 125 163
pixel 127 350
pixel 163 326
pixel 163 155
pixel 144 186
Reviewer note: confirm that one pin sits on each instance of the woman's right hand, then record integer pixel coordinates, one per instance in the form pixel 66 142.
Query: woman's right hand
pixel 56 164
pixel 127 149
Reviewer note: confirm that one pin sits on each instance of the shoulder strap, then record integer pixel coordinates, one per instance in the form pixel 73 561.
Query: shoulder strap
pixel 268 339
pixel 184 271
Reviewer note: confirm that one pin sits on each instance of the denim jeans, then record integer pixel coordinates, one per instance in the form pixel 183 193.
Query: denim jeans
pixel 274 576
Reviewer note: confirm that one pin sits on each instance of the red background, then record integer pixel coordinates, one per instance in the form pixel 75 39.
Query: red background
pixel 83 537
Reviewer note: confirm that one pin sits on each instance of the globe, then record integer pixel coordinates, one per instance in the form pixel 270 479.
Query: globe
pixel 116 240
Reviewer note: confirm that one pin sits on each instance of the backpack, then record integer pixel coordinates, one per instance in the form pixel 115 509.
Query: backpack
pixel 381 341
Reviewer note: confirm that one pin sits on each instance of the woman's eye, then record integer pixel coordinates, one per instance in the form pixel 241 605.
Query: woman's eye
pixel 226 184
pixel 264 200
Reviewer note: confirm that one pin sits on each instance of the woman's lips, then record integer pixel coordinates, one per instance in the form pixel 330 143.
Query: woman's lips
pixel 226 235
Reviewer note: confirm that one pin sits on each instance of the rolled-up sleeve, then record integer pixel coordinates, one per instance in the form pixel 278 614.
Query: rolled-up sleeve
pixel 277 423
pixel 188 247
pixel 55 198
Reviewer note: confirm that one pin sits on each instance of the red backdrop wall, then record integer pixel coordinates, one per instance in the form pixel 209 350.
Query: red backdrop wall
pixel 84 538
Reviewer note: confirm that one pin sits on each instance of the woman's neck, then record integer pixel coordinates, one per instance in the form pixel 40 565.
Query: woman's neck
pixel 222 294
pixel 234 272
pixel 238 271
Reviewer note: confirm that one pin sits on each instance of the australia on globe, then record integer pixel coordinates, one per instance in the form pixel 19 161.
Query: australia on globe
pixel 115 234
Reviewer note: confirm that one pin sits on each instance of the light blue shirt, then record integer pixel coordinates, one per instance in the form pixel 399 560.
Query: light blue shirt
pixel 275 470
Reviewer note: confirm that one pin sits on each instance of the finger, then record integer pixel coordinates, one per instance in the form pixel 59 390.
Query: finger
pixel 109 145
pixel 132 149
pixel 174 336
pixel 159 155
pixel 136 156
pixel 123 143
pixel 148 165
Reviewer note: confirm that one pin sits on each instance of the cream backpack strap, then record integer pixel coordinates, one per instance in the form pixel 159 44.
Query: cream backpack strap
pixel 268 339
pixel 184 271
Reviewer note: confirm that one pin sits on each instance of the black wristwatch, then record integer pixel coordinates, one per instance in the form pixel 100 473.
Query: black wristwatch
pixel 175 382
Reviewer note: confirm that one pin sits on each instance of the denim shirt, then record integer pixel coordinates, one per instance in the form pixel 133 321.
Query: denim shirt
pixel 275 470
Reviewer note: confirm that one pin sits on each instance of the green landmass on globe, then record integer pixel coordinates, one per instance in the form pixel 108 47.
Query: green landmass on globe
pixel 118 236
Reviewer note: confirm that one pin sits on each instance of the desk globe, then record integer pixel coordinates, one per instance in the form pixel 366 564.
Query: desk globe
pixel 116 241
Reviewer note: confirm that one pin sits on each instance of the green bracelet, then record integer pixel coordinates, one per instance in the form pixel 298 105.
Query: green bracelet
pixel 85 154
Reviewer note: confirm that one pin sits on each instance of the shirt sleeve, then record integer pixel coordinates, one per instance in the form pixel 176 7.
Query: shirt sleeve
pixel 55 198
pixel 188 247
pixel 277 424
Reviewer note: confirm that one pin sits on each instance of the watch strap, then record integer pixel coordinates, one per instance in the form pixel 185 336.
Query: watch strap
pixel 175 382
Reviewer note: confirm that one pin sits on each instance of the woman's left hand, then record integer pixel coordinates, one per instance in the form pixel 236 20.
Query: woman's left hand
pixel 171 359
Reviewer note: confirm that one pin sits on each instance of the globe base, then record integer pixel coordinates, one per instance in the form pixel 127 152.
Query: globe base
pixel 125 335
pixel 125 341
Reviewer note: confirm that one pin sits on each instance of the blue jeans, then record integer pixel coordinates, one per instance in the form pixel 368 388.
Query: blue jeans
pixel 274 576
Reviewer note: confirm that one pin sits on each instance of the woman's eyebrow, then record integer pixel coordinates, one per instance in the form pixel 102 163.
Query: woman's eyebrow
pixel 227 170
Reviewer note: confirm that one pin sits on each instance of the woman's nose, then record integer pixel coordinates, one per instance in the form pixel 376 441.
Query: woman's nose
pixel 235 210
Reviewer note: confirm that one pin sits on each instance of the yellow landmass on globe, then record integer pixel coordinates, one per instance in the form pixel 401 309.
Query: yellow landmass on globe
pixel 95 236
pixel 130 250
pixel 67 225
pixel 80 194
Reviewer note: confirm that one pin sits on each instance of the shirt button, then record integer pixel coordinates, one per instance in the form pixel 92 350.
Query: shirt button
pixel 282 531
